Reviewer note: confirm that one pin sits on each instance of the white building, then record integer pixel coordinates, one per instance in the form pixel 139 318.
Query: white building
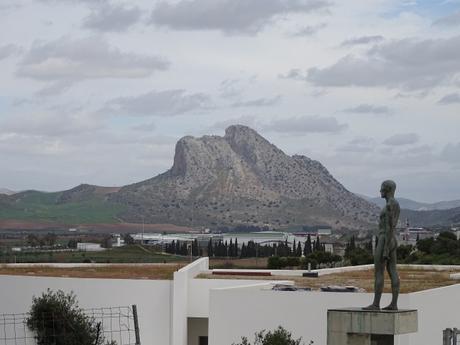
pixel 89 247
pixel 192 311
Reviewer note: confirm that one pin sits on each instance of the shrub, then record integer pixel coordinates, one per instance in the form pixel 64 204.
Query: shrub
pixel 56 319
pixel 280 336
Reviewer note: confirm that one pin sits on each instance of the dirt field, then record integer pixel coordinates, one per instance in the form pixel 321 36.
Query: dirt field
pixel 153 271
pixel 100 228
pixel 411 280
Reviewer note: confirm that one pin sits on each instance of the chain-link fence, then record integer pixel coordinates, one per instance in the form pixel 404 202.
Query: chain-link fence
pixel 112 326
pixel 451 336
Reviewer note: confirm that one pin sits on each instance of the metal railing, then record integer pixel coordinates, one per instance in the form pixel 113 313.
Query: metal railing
pixel 113 325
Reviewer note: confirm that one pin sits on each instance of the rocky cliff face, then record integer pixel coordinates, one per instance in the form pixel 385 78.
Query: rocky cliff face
pixel 241 178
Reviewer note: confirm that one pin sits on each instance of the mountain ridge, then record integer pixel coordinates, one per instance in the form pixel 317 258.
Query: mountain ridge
pixel 217 181
pixel 243 178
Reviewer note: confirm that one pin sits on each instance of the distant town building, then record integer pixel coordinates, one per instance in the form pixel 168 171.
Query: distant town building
pixel 89 247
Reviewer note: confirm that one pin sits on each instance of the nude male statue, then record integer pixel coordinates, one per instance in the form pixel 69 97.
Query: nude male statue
pixel 385 251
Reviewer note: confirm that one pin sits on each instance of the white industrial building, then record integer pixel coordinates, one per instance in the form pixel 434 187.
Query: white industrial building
pixel 189 310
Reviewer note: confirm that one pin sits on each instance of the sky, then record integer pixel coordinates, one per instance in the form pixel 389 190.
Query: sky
pixel 99 91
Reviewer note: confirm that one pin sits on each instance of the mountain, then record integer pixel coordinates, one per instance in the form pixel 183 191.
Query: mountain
pixel 432 217
pixel 6 191
pixel 241 178
pixel 417 206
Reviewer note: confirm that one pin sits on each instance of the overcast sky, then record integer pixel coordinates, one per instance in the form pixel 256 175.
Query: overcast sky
pixel 99 91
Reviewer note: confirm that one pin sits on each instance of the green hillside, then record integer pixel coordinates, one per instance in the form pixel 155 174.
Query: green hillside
pixel 40 206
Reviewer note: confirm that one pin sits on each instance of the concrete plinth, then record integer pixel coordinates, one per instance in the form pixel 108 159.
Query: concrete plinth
pixel 355 326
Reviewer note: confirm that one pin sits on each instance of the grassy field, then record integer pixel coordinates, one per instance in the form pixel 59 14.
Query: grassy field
pixel 155 271
pixel 39 206
pixel 128 254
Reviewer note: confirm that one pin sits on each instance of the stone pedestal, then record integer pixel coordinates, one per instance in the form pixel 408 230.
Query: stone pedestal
pixel 355 326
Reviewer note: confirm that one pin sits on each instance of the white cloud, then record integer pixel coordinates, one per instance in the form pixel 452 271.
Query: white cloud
pixel 450 99
pixel 259 102
pixel 115 18
pixel 407 63
pixel 368 109
pixel 85 58
pixel 449 20
pixel 362 40
pixel 402 139
pixel 157 103
pixel 9 50
pixel 229 16
pixel 305 124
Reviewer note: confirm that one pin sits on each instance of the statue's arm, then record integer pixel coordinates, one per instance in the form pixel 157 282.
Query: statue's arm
pixel 388 230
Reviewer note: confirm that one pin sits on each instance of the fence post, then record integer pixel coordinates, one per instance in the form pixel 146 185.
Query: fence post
pixel 136 325
pixel 447 337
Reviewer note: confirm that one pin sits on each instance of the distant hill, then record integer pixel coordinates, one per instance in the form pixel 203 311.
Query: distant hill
pixel 237 179
pixel 415 205
pixel 432 218
pixel 6 191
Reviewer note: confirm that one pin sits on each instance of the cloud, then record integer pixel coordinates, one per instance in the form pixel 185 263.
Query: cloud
pixel 259 102
pixel 358 145
pixel 294 74
pixel 362 40
pixel 113 18
pixel 368 109
pixel 246 120
pixel 308 30
pixel 402 139
pixel 408 63
pixel 52 124
pixel 8 50
pixel 229 16
pixel 306 124
pixel 450 20
pixel 451 153
pixel 450 99
pixel 157 103
pixel 73 60
pixel 145 127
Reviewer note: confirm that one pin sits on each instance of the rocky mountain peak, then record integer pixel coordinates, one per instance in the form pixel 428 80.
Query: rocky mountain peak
pixel 243 178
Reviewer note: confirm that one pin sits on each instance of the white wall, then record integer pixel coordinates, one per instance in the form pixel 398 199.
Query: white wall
pixel 199 290
pixel 237 312
pixel 180 298
pixel 438 309
pixel 152 297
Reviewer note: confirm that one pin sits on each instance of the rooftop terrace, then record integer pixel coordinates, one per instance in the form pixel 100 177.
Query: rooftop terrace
pixel 413 278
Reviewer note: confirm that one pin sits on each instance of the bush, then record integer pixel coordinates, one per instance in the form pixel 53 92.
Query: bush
pixel 56 319
pixel 277 263
pixel 280 336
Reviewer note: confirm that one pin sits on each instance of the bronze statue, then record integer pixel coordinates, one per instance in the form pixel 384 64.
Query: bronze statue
pixel 385 251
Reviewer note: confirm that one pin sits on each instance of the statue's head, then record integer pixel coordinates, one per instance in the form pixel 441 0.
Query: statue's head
pixel 388 189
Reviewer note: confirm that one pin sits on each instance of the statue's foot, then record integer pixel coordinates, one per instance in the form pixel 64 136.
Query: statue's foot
pixel 371 307
pixel 391 307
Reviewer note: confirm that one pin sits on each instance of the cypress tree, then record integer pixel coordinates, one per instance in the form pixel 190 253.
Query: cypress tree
pixel 299 250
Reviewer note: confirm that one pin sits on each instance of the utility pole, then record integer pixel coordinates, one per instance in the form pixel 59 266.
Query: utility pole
pixel 143 230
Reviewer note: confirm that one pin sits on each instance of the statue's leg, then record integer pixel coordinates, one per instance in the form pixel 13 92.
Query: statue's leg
pixel 379 268
pixel 393 273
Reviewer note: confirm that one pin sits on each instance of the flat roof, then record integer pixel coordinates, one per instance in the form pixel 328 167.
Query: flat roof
pixel 412 279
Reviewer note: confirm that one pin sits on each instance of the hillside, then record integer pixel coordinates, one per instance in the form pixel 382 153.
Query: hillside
pixel 432 217
pixel 241 178
pixel 416 205
pixel 80 205
pixel 6 191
